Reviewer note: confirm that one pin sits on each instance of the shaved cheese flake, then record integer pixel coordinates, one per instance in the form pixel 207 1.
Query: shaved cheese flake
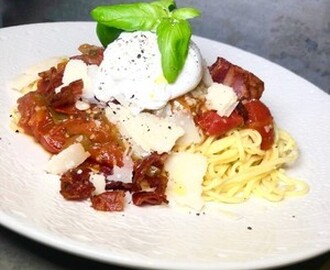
pixel 75 70
pixel 67 159
pixel 82 105
pixel 124 173
pixel 207 78
pixel 30 75
pixel 98 181
pixel 186 122
pixel 145 132
pixel 221 98
pixel 186 172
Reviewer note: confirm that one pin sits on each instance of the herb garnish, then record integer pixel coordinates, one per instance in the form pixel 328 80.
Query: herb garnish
pixel 162 17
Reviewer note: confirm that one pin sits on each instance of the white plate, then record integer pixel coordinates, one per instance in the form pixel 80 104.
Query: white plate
pixel 157 237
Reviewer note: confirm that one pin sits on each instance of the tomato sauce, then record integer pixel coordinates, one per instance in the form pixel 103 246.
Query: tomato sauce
pixel 51 117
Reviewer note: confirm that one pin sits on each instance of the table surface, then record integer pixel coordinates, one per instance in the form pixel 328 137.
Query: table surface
pixel 17 252
pixel 294 34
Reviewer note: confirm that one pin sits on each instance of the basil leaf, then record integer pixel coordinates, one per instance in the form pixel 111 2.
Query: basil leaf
pixel 173 37
pixel 107 34
pixel 130 17
pixel 185 13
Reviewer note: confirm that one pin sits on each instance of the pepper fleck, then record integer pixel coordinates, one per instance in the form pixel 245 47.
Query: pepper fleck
pixel 249 228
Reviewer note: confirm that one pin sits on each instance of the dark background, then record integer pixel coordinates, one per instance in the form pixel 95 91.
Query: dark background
pixel 292 33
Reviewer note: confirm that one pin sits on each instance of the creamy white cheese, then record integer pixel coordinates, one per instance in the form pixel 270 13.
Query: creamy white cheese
pixel 221 98
pixel 186 172
pixel 131 73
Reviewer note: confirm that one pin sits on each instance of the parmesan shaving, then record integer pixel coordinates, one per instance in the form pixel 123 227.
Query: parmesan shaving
pixel 67 159
pixel 145 132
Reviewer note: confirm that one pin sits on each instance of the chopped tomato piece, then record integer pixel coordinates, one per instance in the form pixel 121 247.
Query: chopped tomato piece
pixel 109 201
pixel 67 97
pixel 28 106
pixel 37 121
pixel 51 138
pixel 51 79
pixel 213 124
pixel 91 55
pixel 260 119
pixel 148 198
pixel 148 173
pixel 75 184
pixel 118 185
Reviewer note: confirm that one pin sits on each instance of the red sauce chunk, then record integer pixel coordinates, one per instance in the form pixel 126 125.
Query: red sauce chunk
pixel 250 114
pixel 148 174
pixel 213 124
pixel 90 54
pixel 148 198
pixel 260 119
pixel 245 84
pixel 75 184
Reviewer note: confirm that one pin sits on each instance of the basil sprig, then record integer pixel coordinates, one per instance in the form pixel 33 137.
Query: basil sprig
pixel 162 17
pixel 173 38
pixel 107 34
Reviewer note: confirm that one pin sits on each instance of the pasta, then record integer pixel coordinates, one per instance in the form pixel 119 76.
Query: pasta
pixel 238 168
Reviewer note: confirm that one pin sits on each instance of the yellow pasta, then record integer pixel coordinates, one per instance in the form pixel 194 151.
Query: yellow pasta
pixel 238 168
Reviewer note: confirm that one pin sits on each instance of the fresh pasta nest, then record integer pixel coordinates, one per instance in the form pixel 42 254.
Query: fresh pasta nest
pixel 238 169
